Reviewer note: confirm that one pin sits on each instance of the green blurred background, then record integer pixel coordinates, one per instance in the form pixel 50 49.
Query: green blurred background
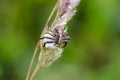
pixel 93 53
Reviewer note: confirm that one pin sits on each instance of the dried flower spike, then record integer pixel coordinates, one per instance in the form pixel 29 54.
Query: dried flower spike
pixel 54 37
pixel 66 10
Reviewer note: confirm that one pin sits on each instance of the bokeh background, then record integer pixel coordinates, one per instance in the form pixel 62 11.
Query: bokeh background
pixel 93 53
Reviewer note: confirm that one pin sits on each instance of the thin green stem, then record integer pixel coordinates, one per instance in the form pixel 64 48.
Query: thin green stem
pixel 31 63
pixel 49 18
pixel 35 71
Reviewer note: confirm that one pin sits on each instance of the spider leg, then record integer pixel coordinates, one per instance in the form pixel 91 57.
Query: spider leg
pixel 41 38
pixel 44 44
pixel 50 42
pixel 49 38
pixel 66 38
pixel 53 32
pixel 65 34
pixel 50 34
pixel 65 44
pixel 63 41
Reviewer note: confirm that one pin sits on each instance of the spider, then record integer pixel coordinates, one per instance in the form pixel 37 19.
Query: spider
pixel 55 37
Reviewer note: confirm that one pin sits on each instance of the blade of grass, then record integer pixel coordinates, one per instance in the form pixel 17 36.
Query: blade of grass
pixel 31 63
pixel 38 45
pixel 35 71
pixel 49 18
